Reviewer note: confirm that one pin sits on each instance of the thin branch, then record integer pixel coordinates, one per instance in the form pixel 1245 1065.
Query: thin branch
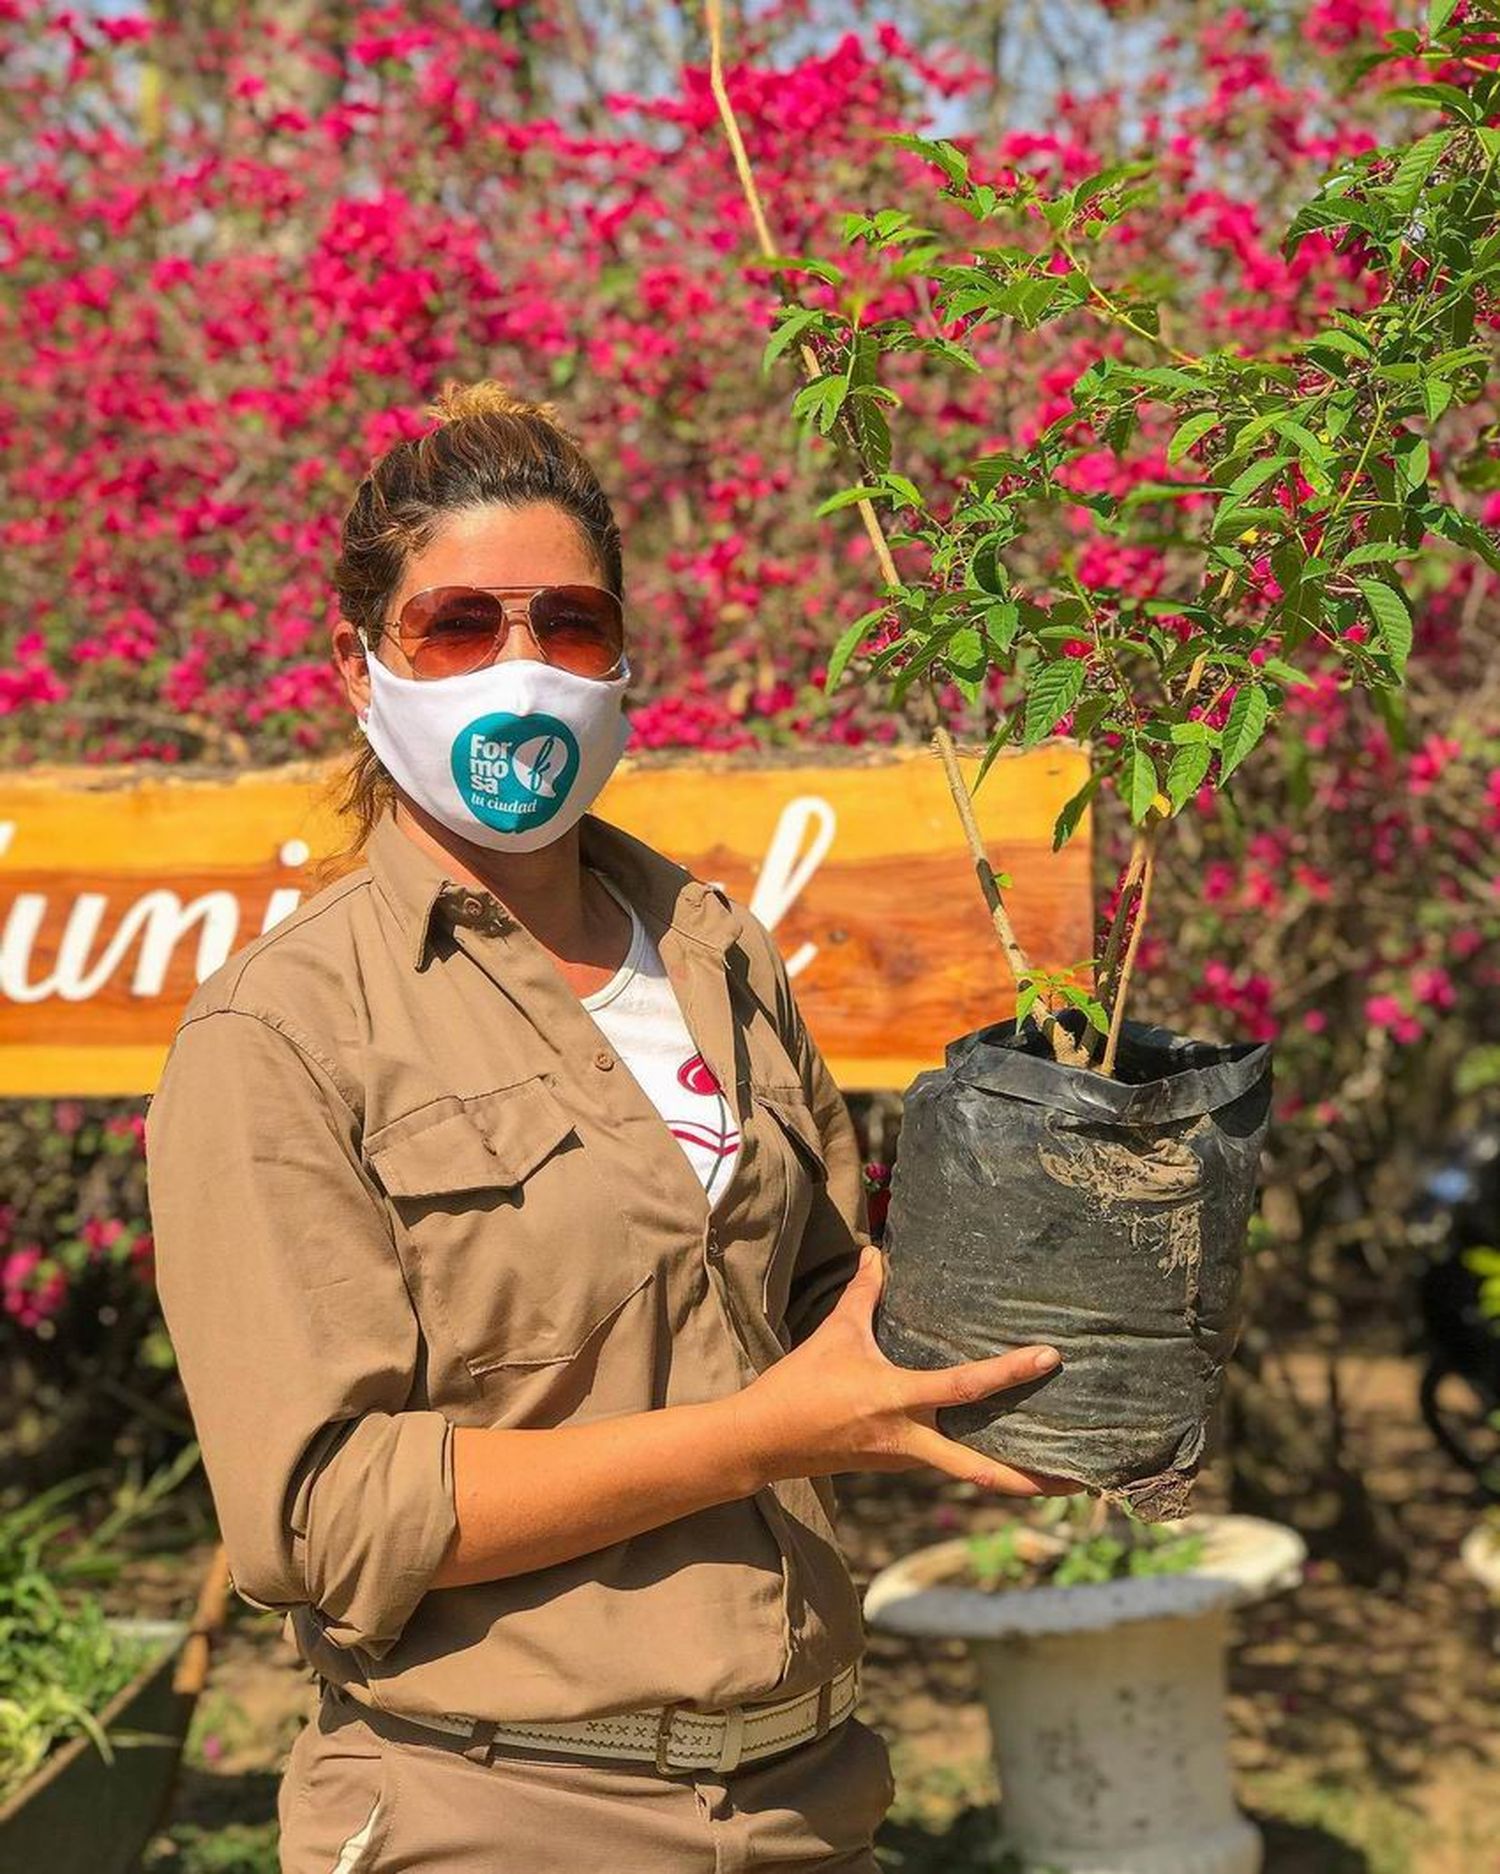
pixel 1110 962
pixel 1117 1014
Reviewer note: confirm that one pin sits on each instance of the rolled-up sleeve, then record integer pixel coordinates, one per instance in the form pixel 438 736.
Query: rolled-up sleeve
pixel 838 1224
pixel 295 1337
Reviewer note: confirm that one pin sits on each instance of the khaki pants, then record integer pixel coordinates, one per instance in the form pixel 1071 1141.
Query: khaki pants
pixel 357 1801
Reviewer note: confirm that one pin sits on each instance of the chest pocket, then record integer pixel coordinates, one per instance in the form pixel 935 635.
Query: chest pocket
pixel 797 1150
pixel 515 1252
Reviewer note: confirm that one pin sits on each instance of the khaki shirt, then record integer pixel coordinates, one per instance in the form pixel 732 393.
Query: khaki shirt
pixel 400 1182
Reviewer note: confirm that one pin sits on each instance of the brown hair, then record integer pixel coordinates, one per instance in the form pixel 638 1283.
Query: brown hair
pixel 487 447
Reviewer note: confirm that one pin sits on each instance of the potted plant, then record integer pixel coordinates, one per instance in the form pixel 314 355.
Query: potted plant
pixel 1070 1175
pixel 1100 1651
pixel 94 1707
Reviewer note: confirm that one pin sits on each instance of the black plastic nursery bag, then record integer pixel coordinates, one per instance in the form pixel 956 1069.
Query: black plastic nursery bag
pixel 1034 1202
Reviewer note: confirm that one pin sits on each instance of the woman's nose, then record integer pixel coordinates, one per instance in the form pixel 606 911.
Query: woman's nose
pixel 519 638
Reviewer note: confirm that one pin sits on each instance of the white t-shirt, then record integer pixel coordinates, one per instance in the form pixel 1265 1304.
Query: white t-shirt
pixel 637 1008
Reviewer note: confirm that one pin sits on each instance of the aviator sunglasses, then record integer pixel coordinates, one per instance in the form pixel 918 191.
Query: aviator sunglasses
pixel 446 631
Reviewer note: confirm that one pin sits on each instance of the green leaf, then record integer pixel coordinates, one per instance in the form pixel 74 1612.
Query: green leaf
pixel 1414 168
pixel 1169 377
pixel 939 347
pixel 1307 443
pixel 786 334
pixel 1089 714
pixel 1452 525
pixel 1160 491
pixel 1049 697
pixel 820 401
pixel 1001 622
pixel 1081 999
pixel 951 160
pixel 1026 1001
pixel 1029 301
pixel 1141 786
pixel 965 651
pixel 1345 343
pixel 1185 776
pixel 846 498
pixel 1231 520
pixel 1392 617
pixel 1413 460
pixel 848 642
pixel 904 489
pixel 920 660
pixel 1103 179
pixel 1328 212
pixel 802 263
pixel 1438 15
pixel 986 569
pixel 1312 454
pixel 1254 476
pixel 872 433
pixel 1434 97
pixel 1376 552
pixel 1284 672
pixel 864 359
pixel 987 471
pixel 1248 716
pixel 1066 823
pixel 889 227
pixel 1003 734
pixel 1190 432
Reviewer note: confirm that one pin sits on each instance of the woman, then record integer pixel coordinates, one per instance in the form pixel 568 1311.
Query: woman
pixel 510 1232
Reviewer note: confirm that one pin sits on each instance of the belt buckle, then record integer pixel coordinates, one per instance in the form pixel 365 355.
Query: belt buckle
pixel 663 1737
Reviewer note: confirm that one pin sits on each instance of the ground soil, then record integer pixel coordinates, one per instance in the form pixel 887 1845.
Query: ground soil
pixel 1366 1739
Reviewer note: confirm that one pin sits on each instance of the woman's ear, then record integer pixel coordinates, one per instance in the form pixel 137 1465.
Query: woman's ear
pixel 352 657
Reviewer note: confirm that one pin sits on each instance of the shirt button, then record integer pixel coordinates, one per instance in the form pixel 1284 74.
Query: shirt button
pixel 604 1059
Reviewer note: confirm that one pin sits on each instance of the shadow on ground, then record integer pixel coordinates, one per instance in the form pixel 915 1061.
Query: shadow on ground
pixel 1293 1849
pixel 965 1845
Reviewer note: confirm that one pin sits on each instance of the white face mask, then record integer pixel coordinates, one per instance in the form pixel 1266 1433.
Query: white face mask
pixel 510 755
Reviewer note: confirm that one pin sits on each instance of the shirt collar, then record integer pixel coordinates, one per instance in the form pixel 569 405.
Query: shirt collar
pixel 418 888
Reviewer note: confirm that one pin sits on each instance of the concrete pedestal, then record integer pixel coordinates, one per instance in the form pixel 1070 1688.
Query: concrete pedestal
pixel 1106 1703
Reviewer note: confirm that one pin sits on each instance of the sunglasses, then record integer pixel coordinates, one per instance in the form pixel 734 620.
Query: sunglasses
pixel 446 631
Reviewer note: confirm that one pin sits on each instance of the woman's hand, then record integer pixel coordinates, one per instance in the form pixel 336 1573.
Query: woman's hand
pixel 836 1403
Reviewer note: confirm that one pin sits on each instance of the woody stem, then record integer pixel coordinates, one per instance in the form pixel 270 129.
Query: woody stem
pixel 1127 969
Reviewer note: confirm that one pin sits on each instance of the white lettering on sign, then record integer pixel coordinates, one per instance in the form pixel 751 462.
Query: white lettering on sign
pixel 159 920
pixel 785 874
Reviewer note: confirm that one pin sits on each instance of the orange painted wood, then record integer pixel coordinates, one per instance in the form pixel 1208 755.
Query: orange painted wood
pixel 121 888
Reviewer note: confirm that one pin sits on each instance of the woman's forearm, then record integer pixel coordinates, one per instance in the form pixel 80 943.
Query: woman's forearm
pixel 527 1498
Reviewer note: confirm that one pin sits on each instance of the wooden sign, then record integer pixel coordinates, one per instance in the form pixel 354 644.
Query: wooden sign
pixel 122 888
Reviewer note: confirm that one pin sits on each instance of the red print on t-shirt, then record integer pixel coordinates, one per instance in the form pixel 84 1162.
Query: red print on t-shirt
pixel 696 1076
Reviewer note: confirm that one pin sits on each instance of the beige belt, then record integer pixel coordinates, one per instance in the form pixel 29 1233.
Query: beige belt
pixel 673 1736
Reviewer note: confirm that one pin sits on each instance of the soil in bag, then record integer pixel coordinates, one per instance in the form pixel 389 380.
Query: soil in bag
pixel 1107 1217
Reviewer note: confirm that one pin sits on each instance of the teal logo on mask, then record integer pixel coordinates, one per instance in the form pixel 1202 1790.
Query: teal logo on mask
pixel 514 772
